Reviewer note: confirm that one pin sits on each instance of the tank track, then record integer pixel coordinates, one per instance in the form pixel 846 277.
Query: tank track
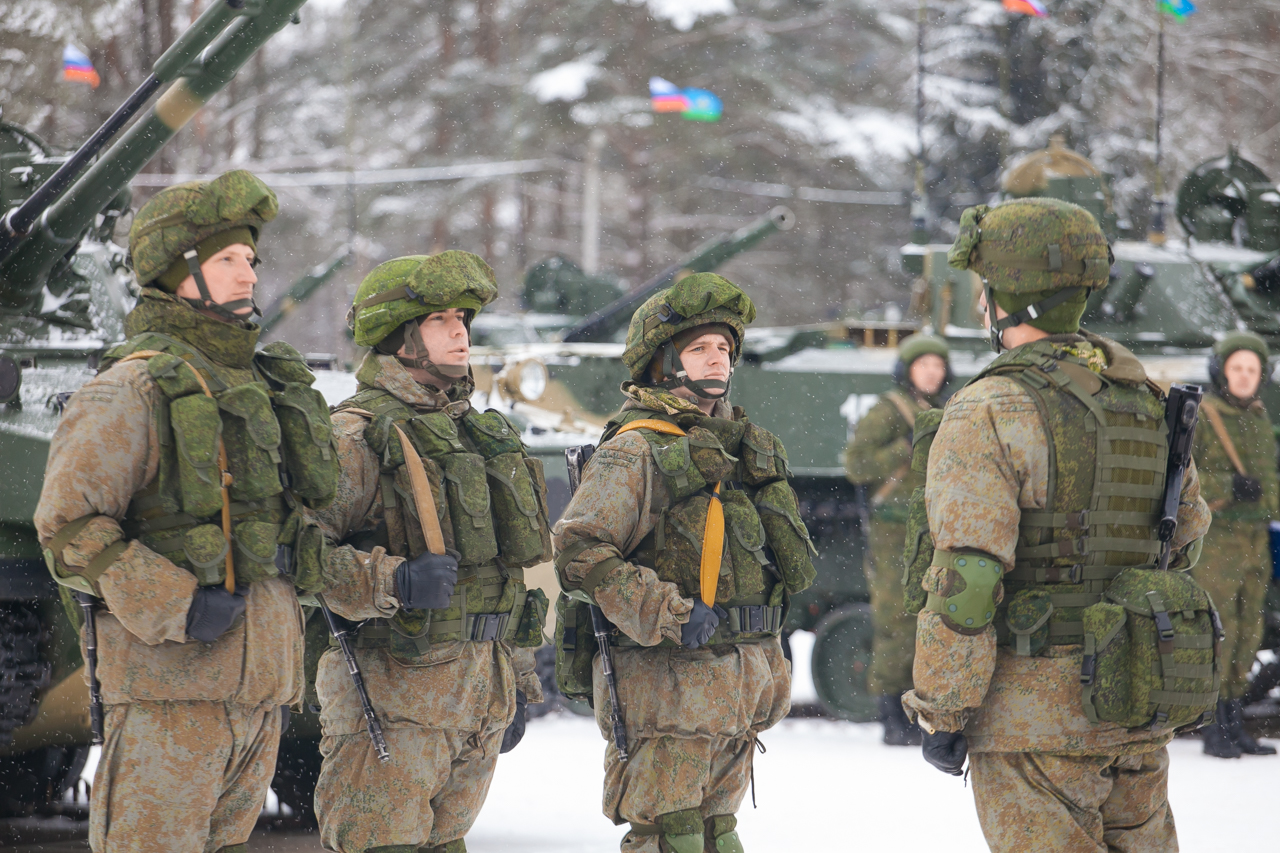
pixel 23 675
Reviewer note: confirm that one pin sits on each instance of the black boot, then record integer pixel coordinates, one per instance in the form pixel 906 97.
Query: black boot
pixel 1218 741
pixel 898 730
pixel 1244 740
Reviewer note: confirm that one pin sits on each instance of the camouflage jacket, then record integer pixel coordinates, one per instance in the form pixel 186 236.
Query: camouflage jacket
pixel 360 584
pixel 1249 429
pixel 989 462
pixel 107 449
pixel 879 455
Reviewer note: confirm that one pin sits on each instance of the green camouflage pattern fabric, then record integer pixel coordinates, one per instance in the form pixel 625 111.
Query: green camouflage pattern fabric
pixel 1238 340
pixel 181 216
pixel 1025 228
pixel 1235 569
pixel 988 463
pixel 921 344
pixel 1250 431
pixel 451 279
pixel 893 643
pixel 188 777
pixel 880 452
pixel 1031 801
pixel 697 299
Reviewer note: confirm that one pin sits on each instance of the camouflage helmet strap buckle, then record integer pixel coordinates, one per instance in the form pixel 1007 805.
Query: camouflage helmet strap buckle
pixel 225 310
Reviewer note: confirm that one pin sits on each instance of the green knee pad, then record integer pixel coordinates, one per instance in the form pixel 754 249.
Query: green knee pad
pixel 680 832
pixel 457 845
pixel 721 834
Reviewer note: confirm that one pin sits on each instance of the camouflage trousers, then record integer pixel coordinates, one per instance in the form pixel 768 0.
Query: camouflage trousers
pixel 182 777
pixel 1074 804
pixel 893 645
pixel 1235 569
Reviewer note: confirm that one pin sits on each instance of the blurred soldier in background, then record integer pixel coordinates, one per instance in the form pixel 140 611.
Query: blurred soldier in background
pixel 171 479
pixel 879 459
pixel 1235 453
pixel 429 541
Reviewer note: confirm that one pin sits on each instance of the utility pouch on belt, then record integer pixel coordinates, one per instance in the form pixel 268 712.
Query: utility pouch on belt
pixel 917 554
pixel 532 620
pixel 576 647
pixel 1027 621
pixel 306 553
pixel 1152 653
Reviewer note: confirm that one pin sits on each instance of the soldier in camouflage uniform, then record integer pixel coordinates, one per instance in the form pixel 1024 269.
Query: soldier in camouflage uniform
pixel 170 480
pixel 447 625
pixel 1236 454
pixel 879 458
pixel 998 665
pixel 686 534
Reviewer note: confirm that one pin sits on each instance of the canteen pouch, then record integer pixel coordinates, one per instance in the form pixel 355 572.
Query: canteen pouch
pixel 789 541
pixel 1152 653
pixel 255 550
pixel 1027 620
pixel 205 547
pixel 763 457
pixel 576 648
pixel 517 513
pixel 491 433
pixel 197 426
pixel 532 620
pixel 467 493
pixel 252 438
pixel 310 450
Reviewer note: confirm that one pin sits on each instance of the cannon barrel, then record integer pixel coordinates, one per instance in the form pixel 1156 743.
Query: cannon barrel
pixel 601 325
pixel 206 56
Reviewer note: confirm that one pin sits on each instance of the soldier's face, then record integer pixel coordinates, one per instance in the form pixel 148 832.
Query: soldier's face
pixel 229 275
pixel 708 356
pixel 445 334
pixel 927 373
pixel 1243 370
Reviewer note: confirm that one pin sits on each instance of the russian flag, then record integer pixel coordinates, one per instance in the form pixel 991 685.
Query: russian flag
pixel 77 68
pixel 1027 7
pixel 666 97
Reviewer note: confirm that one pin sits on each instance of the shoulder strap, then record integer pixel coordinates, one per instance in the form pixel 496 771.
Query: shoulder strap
pixel 423 499
pixel 904 408
pixel 223 468
pixel 1220 430
pixel 651 424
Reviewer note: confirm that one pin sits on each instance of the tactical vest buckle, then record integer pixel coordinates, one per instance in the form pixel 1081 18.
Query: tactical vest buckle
pixel 485 627
pixel 1088 667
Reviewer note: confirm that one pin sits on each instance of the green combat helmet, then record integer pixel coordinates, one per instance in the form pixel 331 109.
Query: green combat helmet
pixel 914 347
pixel 186 224
pixel 1230 344
pixel 1039 259
pixel 696 300
pixel 404 289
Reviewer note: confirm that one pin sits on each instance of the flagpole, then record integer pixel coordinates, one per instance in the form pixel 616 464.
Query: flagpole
pixel 1156 234
pixel 919 205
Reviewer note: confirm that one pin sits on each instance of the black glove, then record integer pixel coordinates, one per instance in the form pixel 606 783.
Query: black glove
pixel 426 582
pixel 212 611
pixel 946 751
pixel 515 732
pixel 701 625
pixel 1245 489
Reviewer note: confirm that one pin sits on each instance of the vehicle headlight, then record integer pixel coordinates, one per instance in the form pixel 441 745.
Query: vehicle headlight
pixel 525 380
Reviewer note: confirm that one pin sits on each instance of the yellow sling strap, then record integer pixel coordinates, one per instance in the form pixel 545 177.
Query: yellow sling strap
pixel 712 533
pixel 224 469
pixel 423 499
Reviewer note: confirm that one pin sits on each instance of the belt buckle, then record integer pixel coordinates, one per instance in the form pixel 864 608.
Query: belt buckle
pixel 485 627
pixel 754 618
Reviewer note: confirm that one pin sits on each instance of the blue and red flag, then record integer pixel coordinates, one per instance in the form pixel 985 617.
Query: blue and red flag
pixel 1179 9
pixel 77 68
pixel 1027 7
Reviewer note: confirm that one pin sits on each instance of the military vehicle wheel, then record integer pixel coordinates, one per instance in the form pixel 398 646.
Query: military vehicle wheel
pixel 841 655
pixel 32 781
pixel 297 771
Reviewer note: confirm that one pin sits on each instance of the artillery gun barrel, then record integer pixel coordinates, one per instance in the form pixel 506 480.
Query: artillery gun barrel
pixel 711 254
pixel 207 56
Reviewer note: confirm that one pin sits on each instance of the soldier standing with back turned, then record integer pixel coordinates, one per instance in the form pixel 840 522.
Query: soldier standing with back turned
pixel 171 479
pixel 1044 490
pixel 1236 456
pixel 686 534
pixel 879 458
pixel 430 540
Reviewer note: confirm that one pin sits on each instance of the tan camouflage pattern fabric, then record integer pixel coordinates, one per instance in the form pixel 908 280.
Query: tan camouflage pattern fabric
pixel 989 462
pixel 443 717
pixel 1077 804
pixel 893 643
pixel 1235 569
pixel 182 777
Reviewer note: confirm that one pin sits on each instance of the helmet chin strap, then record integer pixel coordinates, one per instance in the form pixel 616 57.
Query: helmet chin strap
pixel 225 310
pixel 416 356
pixel 706 389
pixel 1031 312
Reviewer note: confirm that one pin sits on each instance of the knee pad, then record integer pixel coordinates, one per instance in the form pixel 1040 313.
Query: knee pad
pixel 970 610
pixel 678 832
pixel 457 845
pixel 721 834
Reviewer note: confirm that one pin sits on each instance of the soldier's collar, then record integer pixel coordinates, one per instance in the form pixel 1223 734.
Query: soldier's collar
pixel 388 374
pixel 228 344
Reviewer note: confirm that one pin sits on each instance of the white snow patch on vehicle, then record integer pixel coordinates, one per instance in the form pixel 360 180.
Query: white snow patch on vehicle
pixel 567 81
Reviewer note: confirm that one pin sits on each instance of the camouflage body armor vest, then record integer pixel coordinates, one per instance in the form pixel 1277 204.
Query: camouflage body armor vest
pixel 490 498
pixel 767 551
pixel 279 448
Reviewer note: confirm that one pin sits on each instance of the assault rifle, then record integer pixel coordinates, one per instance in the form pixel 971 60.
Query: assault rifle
pixel 87 604
pixel 343 636
pixel 576 459
pixel 1182 410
